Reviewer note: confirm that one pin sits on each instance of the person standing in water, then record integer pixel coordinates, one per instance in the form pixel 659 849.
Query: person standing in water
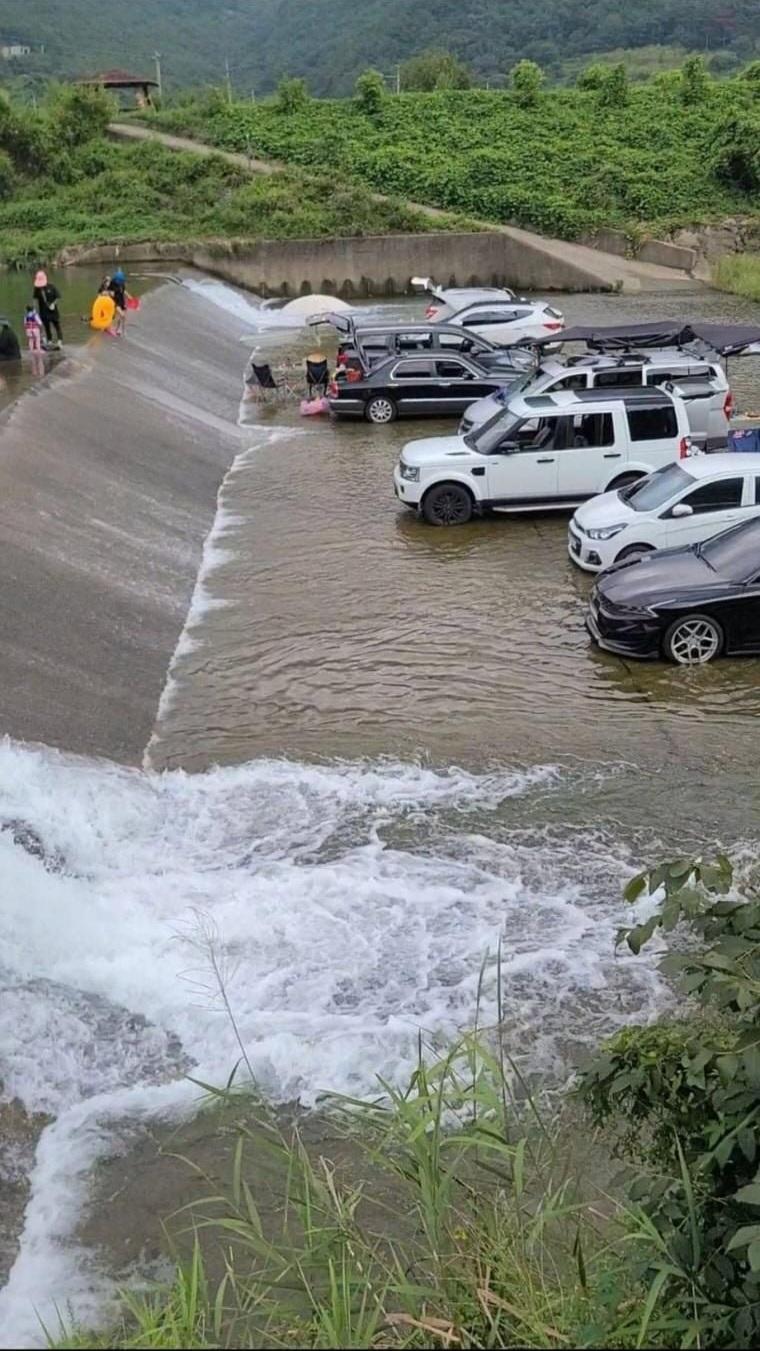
pixel 47 297
pixel 118 290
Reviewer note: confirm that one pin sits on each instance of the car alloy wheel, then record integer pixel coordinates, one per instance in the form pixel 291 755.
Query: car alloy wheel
pixel 447 505
pixel 381 411
pixel 694 640
pixel 633 551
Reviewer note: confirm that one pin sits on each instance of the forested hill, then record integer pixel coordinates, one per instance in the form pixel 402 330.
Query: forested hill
pixel 330 43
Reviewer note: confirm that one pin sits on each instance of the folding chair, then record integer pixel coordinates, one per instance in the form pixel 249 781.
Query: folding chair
pixel 261 382
pixel 317 376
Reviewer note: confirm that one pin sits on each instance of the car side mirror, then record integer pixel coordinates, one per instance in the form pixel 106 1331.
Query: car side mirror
pixel 681 509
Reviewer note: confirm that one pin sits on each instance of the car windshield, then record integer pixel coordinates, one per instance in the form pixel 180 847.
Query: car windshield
pixel 735 554
pixel 656 489
pixel 490 433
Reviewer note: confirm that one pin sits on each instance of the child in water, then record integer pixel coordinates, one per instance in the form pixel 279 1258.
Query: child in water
pixel 33 329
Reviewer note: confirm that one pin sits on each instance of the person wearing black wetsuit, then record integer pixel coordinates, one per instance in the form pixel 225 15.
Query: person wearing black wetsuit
pixel 9 343
pixel 118 290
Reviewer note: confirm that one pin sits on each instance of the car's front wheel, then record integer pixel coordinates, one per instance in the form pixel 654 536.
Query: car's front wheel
pixel 381 410
pixel 447 504
pixel 633 551
pixel 693 640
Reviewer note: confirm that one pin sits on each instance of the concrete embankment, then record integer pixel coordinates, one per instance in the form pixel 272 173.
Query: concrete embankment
pixel 108 480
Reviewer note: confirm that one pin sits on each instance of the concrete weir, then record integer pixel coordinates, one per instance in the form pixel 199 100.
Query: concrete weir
pixel 109 473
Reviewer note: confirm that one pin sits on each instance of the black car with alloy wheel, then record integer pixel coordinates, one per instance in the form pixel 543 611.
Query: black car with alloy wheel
pixel 688 605
pixel 412 386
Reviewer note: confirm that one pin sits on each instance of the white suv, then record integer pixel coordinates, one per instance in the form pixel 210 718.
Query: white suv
pixel 493 313
pixel 680 504
pixel 549 451
pixel 708 417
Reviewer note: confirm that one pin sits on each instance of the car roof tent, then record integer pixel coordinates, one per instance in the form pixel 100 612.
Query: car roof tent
pixel 727 339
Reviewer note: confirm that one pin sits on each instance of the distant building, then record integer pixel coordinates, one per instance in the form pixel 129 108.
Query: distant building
pixel 122 84
pixel 14 47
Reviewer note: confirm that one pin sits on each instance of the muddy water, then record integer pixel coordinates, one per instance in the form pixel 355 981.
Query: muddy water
pixel 335 623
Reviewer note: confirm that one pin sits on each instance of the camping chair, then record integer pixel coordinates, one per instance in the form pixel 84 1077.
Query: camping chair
pixel 261 382
pixel 317 376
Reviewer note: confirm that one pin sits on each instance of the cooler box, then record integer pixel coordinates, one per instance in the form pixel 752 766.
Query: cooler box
pixel 745 439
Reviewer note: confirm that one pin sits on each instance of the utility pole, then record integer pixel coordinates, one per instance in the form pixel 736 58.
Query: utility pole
pixel 398 79
pixel 157 59
pixel 227 78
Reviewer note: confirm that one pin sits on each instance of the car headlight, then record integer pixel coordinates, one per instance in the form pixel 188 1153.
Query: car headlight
pixel 607 531
pixel 410 472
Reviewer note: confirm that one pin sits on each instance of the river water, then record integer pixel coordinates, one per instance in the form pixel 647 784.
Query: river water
pixel 382 751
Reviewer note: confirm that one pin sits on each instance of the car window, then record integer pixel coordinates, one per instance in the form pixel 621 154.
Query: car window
pixel 414 370
pixel 618 378
pixel 757 492
pixel 572 382
pixel 735 554
pixel 717 496
pixel 494 316
pixel 652 424
pixel 649 493
pixel 660 376
pixel 532 434
pixel 411 342
pixel 460 342
pixel 453 370
pixel 591 429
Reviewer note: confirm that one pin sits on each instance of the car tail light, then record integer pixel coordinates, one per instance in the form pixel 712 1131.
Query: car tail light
pixel 684 449
pixel 553 326
pixel 729 407
pixel 353 375
pixel 332 389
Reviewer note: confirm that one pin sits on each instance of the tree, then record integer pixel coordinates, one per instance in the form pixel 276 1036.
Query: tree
pixel 370 92
pixel 751 73
pixel 695 82
pixel 593 77
pixel 613 93
pixel 526 79
pixel 80 112
pixel 737 151
pixel 292 95
pixel 434 69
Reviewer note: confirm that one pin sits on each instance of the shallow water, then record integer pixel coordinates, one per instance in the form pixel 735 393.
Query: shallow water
pixel 405 752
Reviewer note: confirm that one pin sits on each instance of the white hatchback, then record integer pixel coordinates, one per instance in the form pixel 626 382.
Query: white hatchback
pixel 680 504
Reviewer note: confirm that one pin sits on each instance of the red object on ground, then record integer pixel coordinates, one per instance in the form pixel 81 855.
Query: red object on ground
pixel 133 303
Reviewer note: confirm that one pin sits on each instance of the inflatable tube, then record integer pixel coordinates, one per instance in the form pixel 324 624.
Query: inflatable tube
pixel 102 313
pixel 311 407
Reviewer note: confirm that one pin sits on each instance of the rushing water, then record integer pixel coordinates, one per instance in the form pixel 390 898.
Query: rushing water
pixel 405 753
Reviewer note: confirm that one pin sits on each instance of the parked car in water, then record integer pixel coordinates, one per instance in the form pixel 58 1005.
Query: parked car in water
pixel 543 452
pixel 367 345
pixel 688 605
pixel 492 312
pixel 682 503
pixel 703 381
pixel 411 386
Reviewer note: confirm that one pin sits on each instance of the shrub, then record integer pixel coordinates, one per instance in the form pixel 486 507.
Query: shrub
pixel 370 92
pixel 292 96
pixel 736 151
pixel 526 79
pixel 79 113
pixel 593 77
pixel 7 176
pixel 695 83
pixel 434 69
pixel 613 92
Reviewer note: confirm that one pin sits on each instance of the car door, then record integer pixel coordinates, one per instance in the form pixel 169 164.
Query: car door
pixel 586 462
pixel 522 468
pixel 413 387
pixel 714 507
pixel 461 384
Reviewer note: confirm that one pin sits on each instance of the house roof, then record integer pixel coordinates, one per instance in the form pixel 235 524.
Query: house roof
pixel 117 79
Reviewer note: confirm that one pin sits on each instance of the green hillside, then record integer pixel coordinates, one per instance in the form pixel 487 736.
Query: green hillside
pixel 329 44
pixel 568 164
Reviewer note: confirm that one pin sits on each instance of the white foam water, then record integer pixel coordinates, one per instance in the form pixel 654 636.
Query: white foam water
pixel 347 906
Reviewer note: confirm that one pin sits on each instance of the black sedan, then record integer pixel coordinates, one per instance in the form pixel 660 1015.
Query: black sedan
pixel 688 605
pixel 412 387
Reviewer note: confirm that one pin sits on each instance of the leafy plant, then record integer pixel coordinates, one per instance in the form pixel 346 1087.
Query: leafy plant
pixel 695 82
pixel 370 92
pixel 613 91
pixel 686 1099
pixel 292 96
pixel 434 69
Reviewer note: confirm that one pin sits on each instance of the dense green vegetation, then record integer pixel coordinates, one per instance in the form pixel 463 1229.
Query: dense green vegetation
pixel 265 39
pixel 674 152
pixel 63 183
pixel 740 273
pixel 465 1219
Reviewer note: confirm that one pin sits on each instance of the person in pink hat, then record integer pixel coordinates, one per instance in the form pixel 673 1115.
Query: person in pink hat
pixel 47 297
